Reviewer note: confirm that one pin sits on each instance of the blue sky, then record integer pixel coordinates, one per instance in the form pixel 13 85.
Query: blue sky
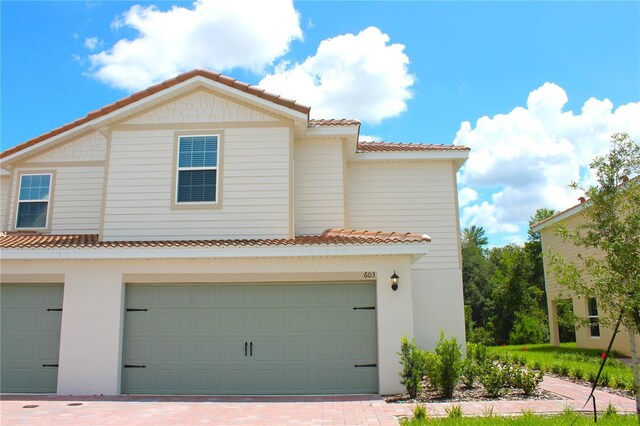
pixel 534 88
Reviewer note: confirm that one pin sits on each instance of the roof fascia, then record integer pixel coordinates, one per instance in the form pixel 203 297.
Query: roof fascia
pixel 333 131
pixel 459 157
pixel 415 250
pixel 537 227
pixel 122 112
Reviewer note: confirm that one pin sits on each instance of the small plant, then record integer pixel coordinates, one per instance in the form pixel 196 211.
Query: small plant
pixel 451 362
pixel 487 412
pixel 528 381
pixel 611 410
pixel 555 369
pixel 413 364
pixel 591 376
pixel 432 367
pixel 568 411
pixel 420 412
pixel 577 372
pixel 537 365
pixel 605 378
pixel 493 381
pixel 454 412
pixel 564 370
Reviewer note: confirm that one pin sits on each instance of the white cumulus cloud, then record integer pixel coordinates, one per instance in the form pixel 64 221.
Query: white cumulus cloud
pixel 528 156
pixel 213 34
pixel 369 138
pixel 351 76
pixel 92 43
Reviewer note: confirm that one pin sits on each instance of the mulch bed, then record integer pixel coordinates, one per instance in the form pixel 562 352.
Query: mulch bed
pixel 477 393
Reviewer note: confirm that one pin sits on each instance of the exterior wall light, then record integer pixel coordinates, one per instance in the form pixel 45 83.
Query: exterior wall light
pixel 394 281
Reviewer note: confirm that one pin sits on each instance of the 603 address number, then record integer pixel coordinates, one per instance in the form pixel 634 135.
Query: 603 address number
pixel 369 275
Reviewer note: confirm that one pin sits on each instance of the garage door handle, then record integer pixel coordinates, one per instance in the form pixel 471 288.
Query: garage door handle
pixel 365 365
pixel 50 365
pixel 134 366
pixel 245 348
pixel 251 349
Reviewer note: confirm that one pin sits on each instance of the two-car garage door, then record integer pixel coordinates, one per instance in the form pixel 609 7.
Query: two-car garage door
pixel 250 339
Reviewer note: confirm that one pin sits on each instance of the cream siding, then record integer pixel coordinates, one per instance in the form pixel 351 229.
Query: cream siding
pixel 319 186
pixel 552 243
pixel 75 200
pixel 91 147
pixel 4 194
pixel 407 196
pixel 254 187
pixel 200 107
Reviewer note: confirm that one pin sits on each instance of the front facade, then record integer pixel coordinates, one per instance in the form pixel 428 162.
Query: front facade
pixel 595 335
pixel 205 237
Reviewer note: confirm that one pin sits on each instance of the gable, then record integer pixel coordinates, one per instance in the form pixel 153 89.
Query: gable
pixel 201 106
pixel 91 147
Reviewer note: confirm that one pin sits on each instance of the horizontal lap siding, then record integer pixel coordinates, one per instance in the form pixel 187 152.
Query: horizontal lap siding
pixel 76 198
pixel 4 193
pixel 414 197
pixel 319 186
pixel 254 190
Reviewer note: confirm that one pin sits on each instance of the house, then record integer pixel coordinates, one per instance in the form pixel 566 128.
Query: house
pixel 595 335
pixel 206 237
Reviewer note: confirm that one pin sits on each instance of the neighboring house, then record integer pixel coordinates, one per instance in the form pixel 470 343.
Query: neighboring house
pixel 595 335
pixel 206 237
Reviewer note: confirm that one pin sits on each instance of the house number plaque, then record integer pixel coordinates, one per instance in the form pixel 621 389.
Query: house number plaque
pixel 369 275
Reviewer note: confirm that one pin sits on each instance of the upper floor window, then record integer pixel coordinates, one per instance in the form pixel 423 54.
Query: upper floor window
pixel 197 169
pixel 33 201
pixel 592 311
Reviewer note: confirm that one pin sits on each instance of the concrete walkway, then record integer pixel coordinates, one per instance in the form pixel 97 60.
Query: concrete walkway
pixel 326 410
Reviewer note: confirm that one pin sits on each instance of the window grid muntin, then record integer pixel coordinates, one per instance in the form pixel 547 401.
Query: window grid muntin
pixel 211 165
pixel 43 199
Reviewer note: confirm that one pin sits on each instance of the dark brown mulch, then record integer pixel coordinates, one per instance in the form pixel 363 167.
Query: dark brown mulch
pixel 477 393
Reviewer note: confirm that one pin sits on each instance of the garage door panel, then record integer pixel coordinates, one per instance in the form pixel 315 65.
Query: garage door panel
pixel 306 339
pixel 30 337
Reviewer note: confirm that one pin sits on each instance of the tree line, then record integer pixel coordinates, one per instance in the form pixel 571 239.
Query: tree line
pixel 504 292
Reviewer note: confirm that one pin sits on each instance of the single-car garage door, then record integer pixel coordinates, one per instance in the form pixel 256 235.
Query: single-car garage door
pixel 30 342
pixel 250 339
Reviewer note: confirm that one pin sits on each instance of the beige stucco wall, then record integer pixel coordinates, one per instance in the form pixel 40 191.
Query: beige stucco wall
pixel 91 337
pixel 319 185
pixel 552 243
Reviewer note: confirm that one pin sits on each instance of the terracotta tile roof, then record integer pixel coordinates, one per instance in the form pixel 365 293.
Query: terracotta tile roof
pixel 333 122
pixel 32 240
pixel 406 147
pixel 228 81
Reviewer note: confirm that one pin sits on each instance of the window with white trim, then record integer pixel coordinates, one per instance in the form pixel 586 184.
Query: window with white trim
pixel 592 312
pixel 33 201
pixel 197 180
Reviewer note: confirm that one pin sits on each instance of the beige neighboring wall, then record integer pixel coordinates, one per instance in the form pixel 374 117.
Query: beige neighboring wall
pixel 552 243
pixel 319 185
pixel 254 171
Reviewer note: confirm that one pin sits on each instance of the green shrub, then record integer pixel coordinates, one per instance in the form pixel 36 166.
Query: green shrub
pixel 528 381
pixel 555 369
pixel 451 361
pixel 537 365
pixel 413 364
pixel 469 372
pixel 564 370
pixel 477 352
pixel 591 376
pixel 493 380
pixel 432 368
pixel 528 329
pixel 605 378
pixel 420 412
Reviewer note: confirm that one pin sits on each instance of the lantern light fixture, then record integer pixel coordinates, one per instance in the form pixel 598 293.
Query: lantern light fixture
pixel 394 281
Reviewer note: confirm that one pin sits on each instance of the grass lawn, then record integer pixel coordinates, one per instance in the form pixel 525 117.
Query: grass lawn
pixel 569 361
pixel 529 420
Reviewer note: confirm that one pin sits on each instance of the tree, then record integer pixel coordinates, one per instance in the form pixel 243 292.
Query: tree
pixel 475 235
pixel 609 268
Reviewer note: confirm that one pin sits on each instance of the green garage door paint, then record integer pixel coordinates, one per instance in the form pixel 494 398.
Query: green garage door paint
pixel 30 337
pixel 300 339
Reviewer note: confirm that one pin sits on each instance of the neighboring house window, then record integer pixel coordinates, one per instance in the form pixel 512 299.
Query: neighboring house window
pixel 33 201
pixel 592 311
pixel 197 169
